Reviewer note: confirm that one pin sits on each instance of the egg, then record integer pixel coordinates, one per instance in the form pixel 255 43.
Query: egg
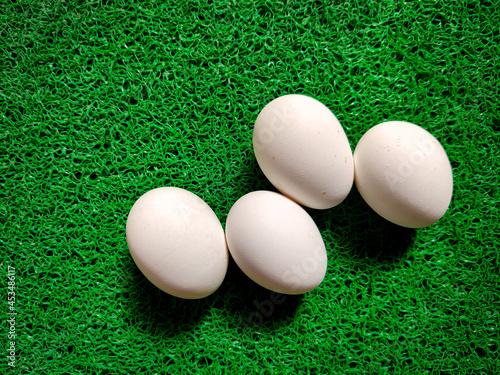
pixel 303 150
pixel 177 242
pixel 403 173
pixel 276 243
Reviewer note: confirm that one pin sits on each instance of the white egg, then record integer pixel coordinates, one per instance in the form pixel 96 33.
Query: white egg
pixel 303 150
pixel 276 243
pixel 177 242
pixel 403 173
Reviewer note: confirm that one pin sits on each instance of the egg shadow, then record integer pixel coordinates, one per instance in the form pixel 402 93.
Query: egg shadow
pixel 152 309
pixel 371 239
pixel 254 307
pixel 352 225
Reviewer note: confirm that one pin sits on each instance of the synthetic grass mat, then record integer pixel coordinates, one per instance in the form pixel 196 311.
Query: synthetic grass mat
pixel 102 101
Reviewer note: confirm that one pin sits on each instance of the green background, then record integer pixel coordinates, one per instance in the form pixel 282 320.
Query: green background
pixel 102 101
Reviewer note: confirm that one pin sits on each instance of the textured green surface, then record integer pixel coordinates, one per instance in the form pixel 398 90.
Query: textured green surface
pixel 103 101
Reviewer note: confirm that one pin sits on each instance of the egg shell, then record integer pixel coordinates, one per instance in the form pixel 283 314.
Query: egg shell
pixel 403 173
pixel 276 243
pixel 177 242
pixel 304 152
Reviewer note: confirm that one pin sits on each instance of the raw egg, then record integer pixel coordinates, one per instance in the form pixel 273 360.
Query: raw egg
pixel 177 242
pixel 403 173
pixel 304 152
pixel 276 243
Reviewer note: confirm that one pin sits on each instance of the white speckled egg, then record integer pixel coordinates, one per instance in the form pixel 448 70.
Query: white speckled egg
pixel 177 242
pixel 303 150
pixel 276 243
pixel 403 173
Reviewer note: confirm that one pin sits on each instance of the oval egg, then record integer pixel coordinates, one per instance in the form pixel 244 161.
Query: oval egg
pixel 303 150
pixel 177 242
pixel 276 243
pixel 403 173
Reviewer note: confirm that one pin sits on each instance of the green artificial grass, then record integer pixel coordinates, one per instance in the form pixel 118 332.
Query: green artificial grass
pixel 102 101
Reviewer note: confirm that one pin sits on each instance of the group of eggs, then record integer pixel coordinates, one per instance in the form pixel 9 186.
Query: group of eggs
pixel 400 170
